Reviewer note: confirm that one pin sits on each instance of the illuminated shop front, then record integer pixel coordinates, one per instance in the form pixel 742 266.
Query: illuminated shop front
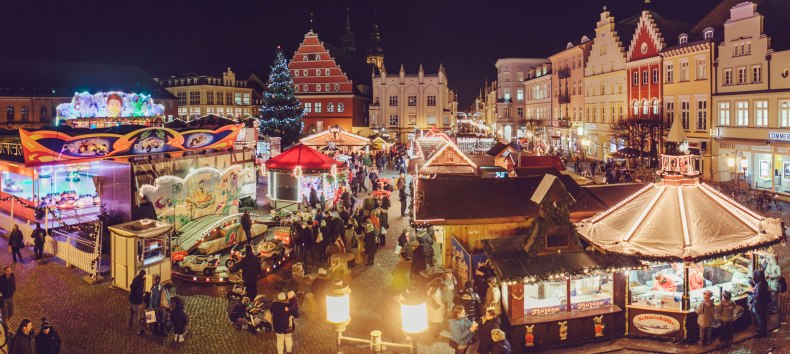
pixel 761 162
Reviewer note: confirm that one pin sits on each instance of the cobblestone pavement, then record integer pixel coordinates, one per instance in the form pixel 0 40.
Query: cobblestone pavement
pixel 92 318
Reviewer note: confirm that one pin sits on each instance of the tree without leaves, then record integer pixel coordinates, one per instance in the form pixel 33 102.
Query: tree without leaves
pixel 640 134
pixel 281 114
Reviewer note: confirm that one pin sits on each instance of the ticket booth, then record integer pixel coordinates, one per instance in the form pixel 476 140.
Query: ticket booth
pixel 140 245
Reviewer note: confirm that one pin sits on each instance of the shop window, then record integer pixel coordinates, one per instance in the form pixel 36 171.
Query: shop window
pixel 657 287
pixel 545 298
pixel 9 113
pixel 592 292
pixel 431 120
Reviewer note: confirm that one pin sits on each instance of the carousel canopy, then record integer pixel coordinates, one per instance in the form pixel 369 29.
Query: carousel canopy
pixel 336 138
pixel 687 222
pixel 301 155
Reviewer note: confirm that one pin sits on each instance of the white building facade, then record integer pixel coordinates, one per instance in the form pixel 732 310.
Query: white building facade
pixel 511 73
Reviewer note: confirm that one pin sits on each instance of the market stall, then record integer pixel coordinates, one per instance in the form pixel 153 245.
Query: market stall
pixel 695 239
pixel 554 292
pixel 337 139
pixel 297 170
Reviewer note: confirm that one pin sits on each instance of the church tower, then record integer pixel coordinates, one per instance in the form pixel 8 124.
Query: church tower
pixel 375 53
pixel 347 39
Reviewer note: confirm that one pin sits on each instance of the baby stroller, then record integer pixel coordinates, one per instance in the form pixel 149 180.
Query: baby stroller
pixel 259 316
pixel 238 291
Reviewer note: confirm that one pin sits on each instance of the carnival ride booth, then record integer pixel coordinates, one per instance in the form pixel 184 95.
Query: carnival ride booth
pixel 110 109
pixel 695 239
pixel 296 170
pixel 140 245
pixel 554 292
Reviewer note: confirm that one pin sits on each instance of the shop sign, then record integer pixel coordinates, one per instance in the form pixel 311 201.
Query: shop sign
pixel 589 304
pixel 779 136
pixel 591 126
pixel 576 123
pixel 654 323
pixel 545 310
pixel 714 132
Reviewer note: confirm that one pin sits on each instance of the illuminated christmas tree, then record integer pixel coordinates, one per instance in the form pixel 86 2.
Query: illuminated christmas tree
pixel 282 111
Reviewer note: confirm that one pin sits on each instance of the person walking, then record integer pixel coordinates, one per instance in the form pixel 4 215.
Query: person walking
pixel 462 330
pixel 179 319
pixel 490 323
pixel 705 312
pixel 760 301
pixel 436 307
pixel 773 271
pixel 8 288
pixel 283 324
pixel 24 341
pixel 159 302
pixel 250 268
pixel 313 198
pixel 725 312
pixel 15 243
pixel 136 303
pixel 39 237
pixel 246 224
pixel 47 340
pixel 501 344
pixel 370 242
pixel 308 241
pixel 403 201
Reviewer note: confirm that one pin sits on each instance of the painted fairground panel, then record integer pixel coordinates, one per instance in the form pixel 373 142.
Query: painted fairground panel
pixel 48 146
pixel 109 105
pixel 203 191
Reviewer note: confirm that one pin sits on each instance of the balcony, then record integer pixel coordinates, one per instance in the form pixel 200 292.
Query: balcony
pixel 504 100
pixel 564 73
pixel 564 98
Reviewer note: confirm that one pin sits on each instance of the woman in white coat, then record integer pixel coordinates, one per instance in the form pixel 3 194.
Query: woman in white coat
pixel 435 307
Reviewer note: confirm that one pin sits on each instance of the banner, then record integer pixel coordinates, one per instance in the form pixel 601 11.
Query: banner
pixel 48 146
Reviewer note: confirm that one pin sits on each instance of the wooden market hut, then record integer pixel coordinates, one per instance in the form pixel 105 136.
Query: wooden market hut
pixel 295 170
pixel 337 138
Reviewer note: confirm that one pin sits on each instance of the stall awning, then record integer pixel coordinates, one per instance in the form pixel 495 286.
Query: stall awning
pixel 691 222
pixel 511 262
pixel 304 156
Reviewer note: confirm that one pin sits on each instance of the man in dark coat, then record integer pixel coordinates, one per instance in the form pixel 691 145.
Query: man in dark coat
pixel 246 224
pixel 403 201
pixel 250 268
pixel 16 243
pixel 47 340
pixel 282 323
pixel 313 199
pixel 39 236
pixel 490 322
pixel 308 241
pixel 8 288
pixel 361 180
pixel 371 244
pixel 761 298
pixel 296 240
pixel 136 303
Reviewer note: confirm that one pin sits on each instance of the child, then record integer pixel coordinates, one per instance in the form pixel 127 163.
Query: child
pixel 179 319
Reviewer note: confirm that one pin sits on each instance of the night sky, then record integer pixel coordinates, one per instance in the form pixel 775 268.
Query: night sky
pixel 170 37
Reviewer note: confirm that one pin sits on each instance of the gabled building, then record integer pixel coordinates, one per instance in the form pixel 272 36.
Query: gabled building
pixel 537 105
pixel 605 82
pixel 567 87
pixel 330 94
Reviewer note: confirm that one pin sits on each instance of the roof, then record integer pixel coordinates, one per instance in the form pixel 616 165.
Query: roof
pixel 540 161
pixel 343 138
pixel 209 120
pixel 511 263
pixel 691 222
pixel 776 13
pixel 301 155
pixel 39 78
pixel 611 194
pixel 497 148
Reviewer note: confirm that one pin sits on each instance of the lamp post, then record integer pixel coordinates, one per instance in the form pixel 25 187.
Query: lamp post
pixel 414 318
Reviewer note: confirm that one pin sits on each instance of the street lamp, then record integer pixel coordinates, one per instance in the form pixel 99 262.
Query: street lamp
pixel 414 318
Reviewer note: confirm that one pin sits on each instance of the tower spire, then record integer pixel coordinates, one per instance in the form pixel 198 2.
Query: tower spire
pixel 348 22
pixel 375 52
pixel 347 39
pixel 311 22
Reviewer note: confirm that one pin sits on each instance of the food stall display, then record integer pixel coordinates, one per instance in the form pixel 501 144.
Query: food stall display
pixel 695 239
pixel 298 169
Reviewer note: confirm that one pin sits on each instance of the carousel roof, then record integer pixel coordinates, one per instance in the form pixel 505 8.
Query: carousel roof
pixel 304 156
pixel 342 138
pixel 671 222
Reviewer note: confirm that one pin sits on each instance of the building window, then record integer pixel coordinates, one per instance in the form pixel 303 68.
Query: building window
pixel 393 119
pixel 304 72
pixel 670 111
pixel 702 115
pixel 757 73
pixel 708 34
pixel 412 101
pixel 341 107
pixel 194 98
pixel 318 87
pixel 246 97
pixel 655 76
pixel 742 75
pixel 702 69
pixel 520 94
pixel 413 119
pixel 337 87
pixel 308 107
pixel 684 71
pixel 634 78
pixel 636 108
pixel 43 113
pixel 645 107
pixel 669 72
pixel 182 98
pixel 431 120
pixel 326 72
pixel 210 97
pixel 446 120
pixel 25 113
pixel 393 101
pixel 318 107
pixel 742 113
pixel 304 88
pixel 220 98
pixel 228 98
pixel 684 114
pixel 296 73
pixel 761 113
pixel 520 112
pixel 645 78
pixel 237 98
pixel 655 107
pixel 684 38
pixel 330 107
pixel 507 95
pixel 432 100
pixel 727 76
pixel 784 113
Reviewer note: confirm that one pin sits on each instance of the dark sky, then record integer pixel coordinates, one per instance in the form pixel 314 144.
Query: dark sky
pixel 177 36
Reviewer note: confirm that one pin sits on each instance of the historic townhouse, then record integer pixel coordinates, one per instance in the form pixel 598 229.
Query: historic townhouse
pixel 606 86
pixel 225 96
pixel 567 98
pixel 537 104
pixel 511 121
pixel 752 102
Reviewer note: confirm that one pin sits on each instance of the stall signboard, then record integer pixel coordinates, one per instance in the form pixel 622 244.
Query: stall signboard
pixel 461 261
pixel 657 324
pixel 109 105
pixel 48 146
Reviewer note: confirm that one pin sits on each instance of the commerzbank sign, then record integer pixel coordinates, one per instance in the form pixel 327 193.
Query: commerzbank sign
pixel 779 136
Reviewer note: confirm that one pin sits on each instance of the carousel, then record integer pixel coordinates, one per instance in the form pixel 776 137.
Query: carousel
pixel 298 170
pixel 693 237
pixel 335 139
